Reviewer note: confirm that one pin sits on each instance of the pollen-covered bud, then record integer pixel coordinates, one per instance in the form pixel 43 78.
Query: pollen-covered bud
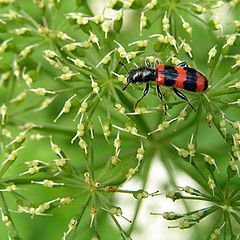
pixel 79 63
pixel 185 224
pixel 182 115
pixel 140 43
pixel 222 125
pixel 4 77
pixel 140 153
pixel 94 39
pixel 64 36
pixel 233 167
pixel 4 45
pixel 130 173
pixel 65 201
pixel 16 69
pixel 66 107
pixel 230 40
pixel 140 194
pixel 217 24
pixel 106 128
pixel 199 9
pixel 80 131
pixel 55 148
pixel 3 112
pixel 93 214
pixel 234 3
pixel 115 160
pixel 19 138
pixel 120 108
pixel 26 51
pixel 13 155
pixel 82 143
pixel 165 22
pixel 67 76
pixel 105 27
pixel 41 91
pixel 6 133
pixel 173 195
pixel 209 160
pixel 43 30
pixel 121 78
pixel 212 53
pixel 171 215
pixel 95 87
pixel 209 118
pixel 211 184
pixel 46 102
pixel 181 151
pixel 187 48
pixel 162 126
pixel 107 58
pixel 186 26
pixel 172 41
pixel 150 5
pixel 117 144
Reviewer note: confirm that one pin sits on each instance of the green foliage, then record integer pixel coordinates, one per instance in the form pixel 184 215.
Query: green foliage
pixel 70 139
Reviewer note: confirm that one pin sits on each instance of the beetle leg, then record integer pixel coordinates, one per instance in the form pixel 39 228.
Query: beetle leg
pixel 182 64
pixel 145 92
pixel 182 96
pixel 161 98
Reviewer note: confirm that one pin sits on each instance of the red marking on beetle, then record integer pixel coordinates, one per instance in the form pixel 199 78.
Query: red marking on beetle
pixel 181 78
pixel 200 82
pixel 160 76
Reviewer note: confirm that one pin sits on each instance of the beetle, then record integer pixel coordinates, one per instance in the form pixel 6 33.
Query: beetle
pixel 181 76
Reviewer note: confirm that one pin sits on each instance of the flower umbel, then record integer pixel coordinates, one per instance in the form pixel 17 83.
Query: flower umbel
pixel 68 129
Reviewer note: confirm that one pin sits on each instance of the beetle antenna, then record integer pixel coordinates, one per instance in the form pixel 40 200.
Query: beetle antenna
pixel 123 66
pixel 126 86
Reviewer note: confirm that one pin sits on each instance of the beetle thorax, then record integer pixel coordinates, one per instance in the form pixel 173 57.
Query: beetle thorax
pixel 142 75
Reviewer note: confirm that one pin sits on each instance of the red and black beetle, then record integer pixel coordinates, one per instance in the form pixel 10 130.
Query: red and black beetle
pixel 182 77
